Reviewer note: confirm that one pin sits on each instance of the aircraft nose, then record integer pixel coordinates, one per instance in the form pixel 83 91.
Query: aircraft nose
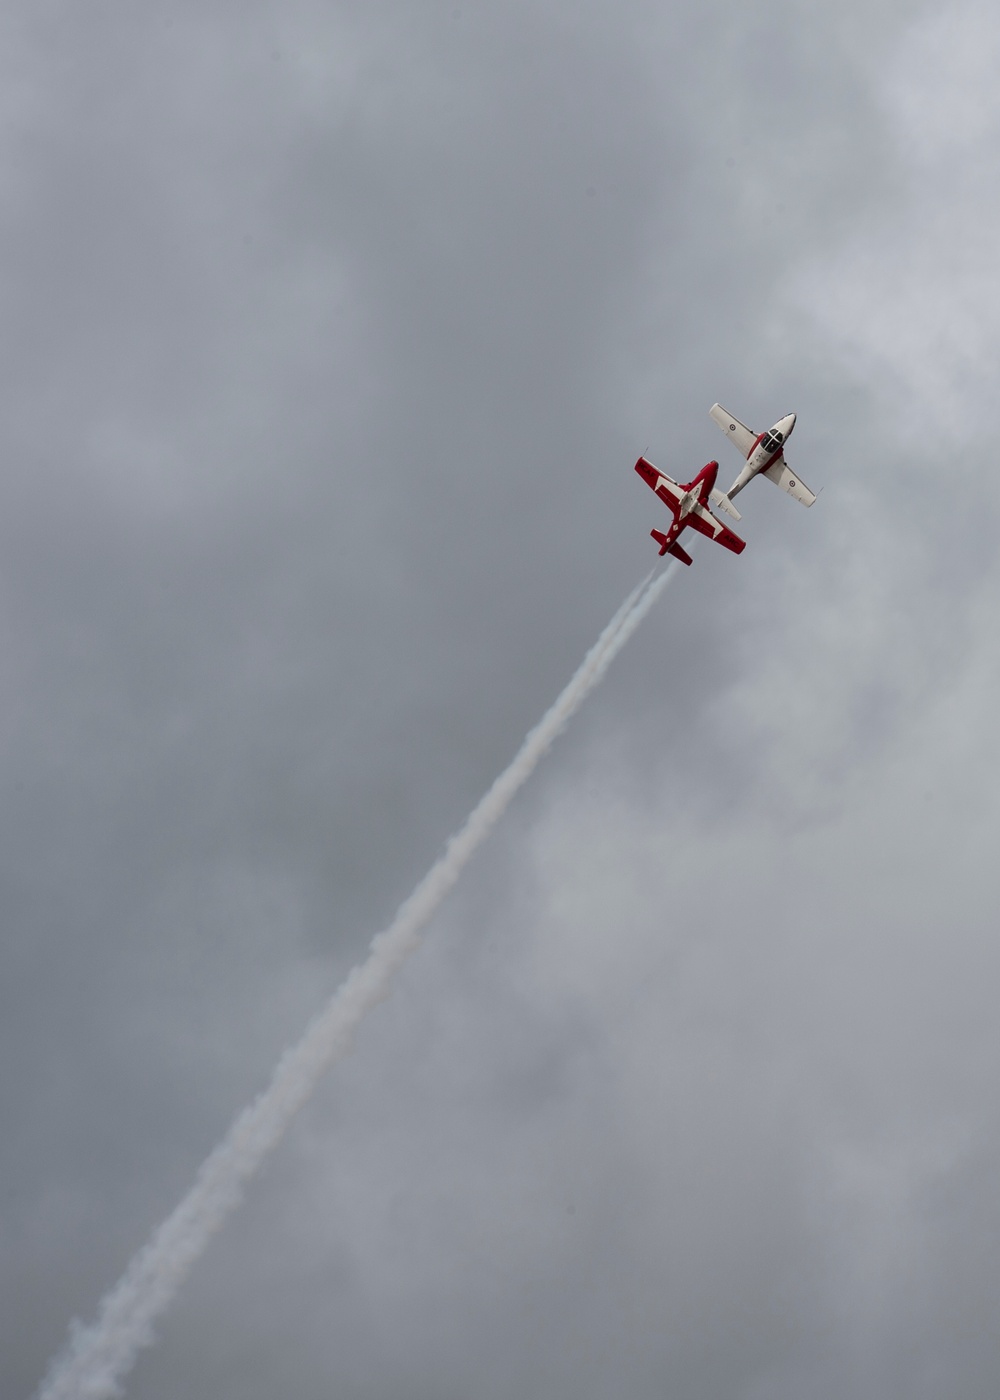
pixel 787 424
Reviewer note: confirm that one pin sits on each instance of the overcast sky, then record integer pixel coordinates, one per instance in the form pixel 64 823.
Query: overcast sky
pixel 329 335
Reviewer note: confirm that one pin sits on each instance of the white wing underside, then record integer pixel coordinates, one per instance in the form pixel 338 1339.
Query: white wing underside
pixel 737 432
pixel 779 473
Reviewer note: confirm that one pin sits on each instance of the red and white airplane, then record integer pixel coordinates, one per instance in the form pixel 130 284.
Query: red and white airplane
pixel 690 507
pixel 765 454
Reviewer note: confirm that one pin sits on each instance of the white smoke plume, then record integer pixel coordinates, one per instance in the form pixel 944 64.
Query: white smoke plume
pixel 98 1357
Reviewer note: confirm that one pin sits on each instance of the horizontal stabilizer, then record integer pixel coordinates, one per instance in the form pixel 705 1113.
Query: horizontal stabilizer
pixel 667 548
pixel 679 553
pixel 779 473
pixel 720 499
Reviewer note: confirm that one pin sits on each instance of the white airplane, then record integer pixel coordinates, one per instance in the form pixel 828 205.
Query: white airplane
pixel 765 457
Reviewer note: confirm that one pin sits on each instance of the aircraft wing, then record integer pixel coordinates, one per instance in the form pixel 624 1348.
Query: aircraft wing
pixel 734 430
pixel 664 486
pixel 702 520
pixel 780 474
pixel 670 492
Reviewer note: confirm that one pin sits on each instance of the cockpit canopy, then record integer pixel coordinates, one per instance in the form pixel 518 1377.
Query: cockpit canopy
pixel 772 441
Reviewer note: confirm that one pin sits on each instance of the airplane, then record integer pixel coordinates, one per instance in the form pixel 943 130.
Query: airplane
pixel 765 457
pixel 690 507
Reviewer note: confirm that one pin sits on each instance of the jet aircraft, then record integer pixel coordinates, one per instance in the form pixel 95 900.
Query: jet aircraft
pixel 765 454
pixel 690 507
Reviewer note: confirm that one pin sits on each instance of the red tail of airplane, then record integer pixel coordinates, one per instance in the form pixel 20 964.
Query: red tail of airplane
pixel 666 547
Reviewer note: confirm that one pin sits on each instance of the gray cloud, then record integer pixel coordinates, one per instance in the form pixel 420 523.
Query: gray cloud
pixel 329 339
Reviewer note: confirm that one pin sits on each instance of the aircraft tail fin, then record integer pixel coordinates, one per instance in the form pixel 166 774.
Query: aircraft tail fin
pixel 667 548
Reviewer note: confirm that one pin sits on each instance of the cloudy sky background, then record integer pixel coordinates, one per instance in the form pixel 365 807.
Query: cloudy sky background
pixel 328 338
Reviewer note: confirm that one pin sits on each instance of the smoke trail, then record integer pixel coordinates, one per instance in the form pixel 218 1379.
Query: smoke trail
pixel 98 1357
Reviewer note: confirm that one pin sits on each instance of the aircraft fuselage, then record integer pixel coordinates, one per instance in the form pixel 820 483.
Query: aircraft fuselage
pixel 764 452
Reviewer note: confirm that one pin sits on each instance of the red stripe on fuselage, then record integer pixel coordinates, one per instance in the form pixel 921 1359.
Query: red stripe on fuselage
pixel 772 459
